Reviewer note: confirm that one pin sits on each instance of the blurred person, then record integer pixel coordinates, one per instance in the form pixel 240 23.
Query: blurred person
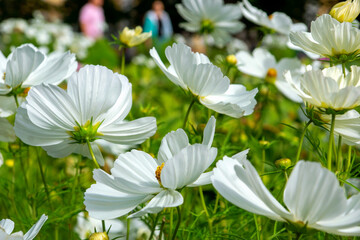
pixel 158 22
pixel 92 19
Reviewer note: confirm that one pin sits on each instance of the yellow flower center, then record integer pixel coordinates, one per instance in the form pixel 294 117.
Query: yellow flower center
pixel 158 172
pixel 271 16
pixel 271 75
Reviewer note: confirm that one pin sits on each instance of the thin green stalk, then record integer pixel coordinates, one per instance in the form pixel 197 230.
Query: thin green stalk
pixel 205 209
pixel 16 101
pixel 188 112
pixel 162 227
pixel 339 155
pixel 343 69
pixel 76 181
pixel 123 61
pixel 216 202
pixel 44 182
pixel 257 228
pixel 301 141
pixel 348 165
pixel 331 139
pixel 155 222
pixel 178 223
pixel 128 220
pixel 171 221
pixel 92 153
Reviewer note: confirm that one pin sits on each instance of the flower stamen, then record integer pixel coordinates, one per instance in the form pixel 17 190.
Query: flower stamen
pixel 158 172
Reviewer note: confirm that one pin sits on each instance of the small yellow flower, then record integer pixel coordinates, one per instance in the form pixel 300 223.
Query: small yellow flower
pixel 99 236
pixel 133 37
pixel 231 59
pixel 346 11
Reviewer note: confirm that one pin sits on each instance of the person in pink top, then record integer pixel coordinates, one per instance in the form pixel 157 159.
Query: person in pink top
pixel 92 19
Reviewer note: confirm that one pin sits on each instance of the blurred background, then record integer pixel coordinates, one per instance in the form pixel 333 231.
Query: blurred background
pixel 120 13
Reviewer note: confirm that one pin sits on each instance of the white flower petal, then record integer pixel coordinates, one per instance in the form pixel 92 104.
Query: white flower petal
pixel 50 107
pixel 7 106
pixel 92 94
pixel 133 132
pixel 170 74
pixel 7 133
pixel 204 179
pixel 54 69
pixel 245 189
pixel 8 225
pixel 235 102
pixel 135 173
pixel 166 198
pixel 171 144
pixel 313 193
pixel 27 131
pixel 34 230
pixel 187 166
pixel 21 63
pixel 209 132
pixel 102 202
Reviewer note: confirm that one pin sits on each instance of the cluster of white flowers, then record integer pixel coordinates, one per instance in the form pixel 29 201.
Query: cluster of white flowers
pixel 48 36
pixel 91 111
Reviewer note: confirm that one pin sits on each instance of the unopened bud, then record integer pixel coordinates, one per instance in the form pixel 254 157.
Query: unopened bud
pixel 264 143
pixel 231 59
pixel 99 236
pixel 346 11
pixel 283 163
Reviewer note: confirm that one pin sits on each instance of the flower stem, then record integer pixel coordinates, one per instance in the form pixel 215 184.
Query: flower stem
pixel 16 101
pixel 257 228
pixel 348 165
pixel 171 221
pixel 188 112
pixel 339 156
pixel 205 209
pixel 155 222
pixel 331 139
pixel 123 61
pixel 44 182
pixel 162 227
pixel 178 223
pixel 343 69
pixel 92 153
pixel 301 141
pixel 128 220
pixel 216 202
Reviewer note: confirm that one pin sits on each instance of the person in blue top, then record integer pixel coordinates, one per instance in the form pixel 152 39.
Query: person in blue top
pixel 158 22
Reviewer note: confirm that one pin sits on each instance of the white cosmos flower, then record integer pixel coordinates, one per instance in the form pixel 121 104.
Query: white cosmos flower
pixel 7 226
pixel 328 88
pixel 137 177
pixel 328 38
pixel 93 107
pixel 194 72
pixel 262 64
pixel 278 21
pixel 211 17
pixel 312 196
pixel 27 66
